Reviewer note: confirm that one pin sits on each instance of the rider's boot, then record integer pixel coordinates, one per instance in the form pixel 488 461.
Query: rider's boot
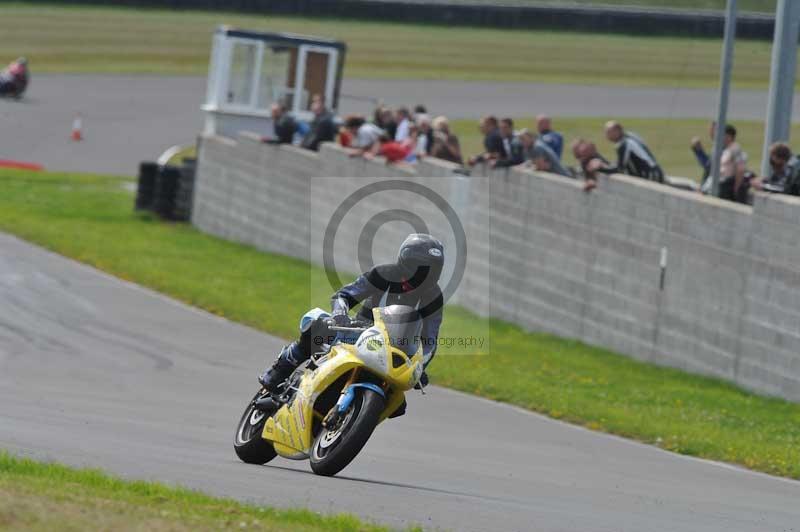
pixel 280 369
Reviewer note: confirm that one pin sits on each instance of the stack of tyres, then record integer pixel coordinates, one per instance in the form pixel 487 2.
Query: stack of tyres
pixel 185 191
pixel 145 191
pixel 166 189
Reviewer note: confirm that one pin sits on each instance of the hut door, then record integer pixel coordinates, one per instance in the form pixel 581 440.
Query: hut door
pixel 316 75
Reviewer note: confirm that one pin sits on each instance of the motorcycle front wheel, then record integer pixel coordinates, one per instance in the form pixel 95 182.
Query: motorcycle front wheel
pixel 334 448
pixel 250 447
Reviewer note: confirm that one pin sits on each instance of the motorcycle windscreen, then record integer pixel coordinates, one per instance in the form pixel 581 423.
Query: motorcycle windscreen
pixel 404 325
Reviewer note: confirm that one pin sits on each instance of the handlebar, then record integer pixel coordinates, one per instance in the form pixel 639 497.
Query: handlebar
pixel 355 326
pixel 336 328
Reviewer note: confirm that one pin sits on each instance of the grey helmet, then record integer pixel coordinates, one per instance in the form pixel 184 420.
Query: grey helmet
pixel 421 259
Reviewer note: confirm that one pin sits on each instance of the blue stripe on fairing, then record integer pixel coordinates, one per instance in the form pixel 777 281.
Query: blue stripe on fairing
pixel 347 398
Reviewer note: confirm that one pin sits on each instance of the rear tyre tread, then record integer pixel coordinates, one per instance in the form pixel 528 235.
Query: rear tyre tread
pixel 257 450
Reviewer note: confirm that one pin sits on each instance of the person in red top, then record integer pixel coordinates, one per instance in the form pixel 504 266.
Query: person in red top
pixel 345 137
pixel 392 150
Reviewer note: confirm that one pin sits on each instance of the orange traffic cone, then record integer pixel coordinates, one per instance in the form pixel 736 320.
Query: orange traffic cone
pixel 77 128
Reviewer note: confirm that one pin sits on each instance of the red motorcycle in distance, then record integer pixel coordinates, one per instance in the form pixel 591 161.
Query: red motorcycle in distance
pixel 14 79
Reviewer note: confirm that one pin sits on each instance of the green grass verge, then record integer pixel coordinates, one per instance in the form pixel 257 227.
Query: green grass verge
pixel 89 218
pixel 99 39
pixel 37 496
pixel 668 138
pixel 757 6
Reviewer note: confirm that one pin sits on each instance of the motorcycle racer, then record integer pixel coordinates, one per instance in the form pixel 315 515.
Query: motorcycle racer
pixel 412 281
pixel 14 78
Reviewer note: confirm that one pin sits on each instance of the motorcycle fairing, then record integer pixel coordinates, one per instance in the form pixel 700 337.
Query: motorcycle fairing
pixel 291 427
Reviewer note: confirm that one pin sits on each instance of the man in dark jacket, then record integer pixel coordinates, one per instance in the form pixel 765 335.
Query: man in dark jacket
pixel 283 125
pixel 412 281
pixel 492 141
pixel 512 152
pixel 783 174
pixel 590 162
pixel 323 127
pixel 633 156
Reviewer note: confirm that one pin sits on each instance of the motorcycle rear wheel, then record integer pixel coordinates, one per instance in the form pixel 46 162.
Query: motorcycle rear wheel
pixel 334 449
pixel 250 447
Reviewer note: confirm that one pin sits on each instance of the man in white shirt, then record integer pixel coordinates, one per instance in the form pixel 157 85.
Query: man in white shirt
pixel 367 135
pixel 732 167
pixel 403 120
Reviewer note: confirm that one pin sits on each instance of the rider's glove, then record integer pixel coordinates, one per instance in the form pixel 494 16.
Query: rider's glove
pixel 423 381
pixel 341 320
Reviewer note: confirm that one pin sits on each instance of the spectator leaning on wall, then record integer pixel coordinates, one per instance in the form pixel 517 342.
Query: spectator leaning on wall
pixel 590 161
pixel 539 154
pixel 384 119
pixel 403 120
pixel 784 170
pixel 492 142
pixel 283 125
pixel 445 144
pixel 425 135
pixel 633 156
pixel 732 168
pixel 323 127
pixel 793 185
pixel 411 144
pixel 546 134
pixel 364 134
pixel 391 150
pixel 511 153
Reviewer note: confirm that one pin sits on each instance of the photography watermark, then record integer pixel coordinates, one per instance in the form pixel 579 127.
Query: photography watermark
pixel 357 226
pixel 465 342
pixel 366 238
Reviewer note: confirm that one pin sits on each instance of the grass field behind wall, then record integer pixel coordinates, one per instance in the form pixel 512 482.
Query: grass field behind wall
pixel 758 6
pixel 120 40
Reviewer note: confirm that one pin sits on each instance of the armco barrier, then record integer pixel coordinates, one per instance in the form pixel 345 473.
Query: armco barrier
pixel 579 265
pixel 601 18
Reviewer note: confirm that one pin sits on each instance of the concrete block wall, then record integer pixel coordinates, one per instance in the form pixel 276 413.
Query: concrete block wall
pixel 251 193
pixel 769 330
pixel 548 256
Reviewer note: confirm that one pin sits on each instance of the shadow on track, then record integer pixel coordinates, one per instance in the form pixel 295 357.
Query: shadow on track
pixel 393 484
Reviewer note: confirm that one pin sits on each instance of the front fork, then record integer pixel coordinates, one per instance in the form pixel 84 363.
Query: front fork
pixel 346 399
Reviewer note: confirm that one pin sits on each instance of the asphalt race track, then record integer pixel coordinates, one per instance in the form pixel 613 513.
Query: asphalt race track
pixel 132 118
pixel 98 372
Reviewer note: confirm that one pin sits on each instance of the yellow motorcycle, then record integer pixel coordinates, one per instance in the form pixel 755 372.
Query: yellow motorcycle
pixel 328 408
